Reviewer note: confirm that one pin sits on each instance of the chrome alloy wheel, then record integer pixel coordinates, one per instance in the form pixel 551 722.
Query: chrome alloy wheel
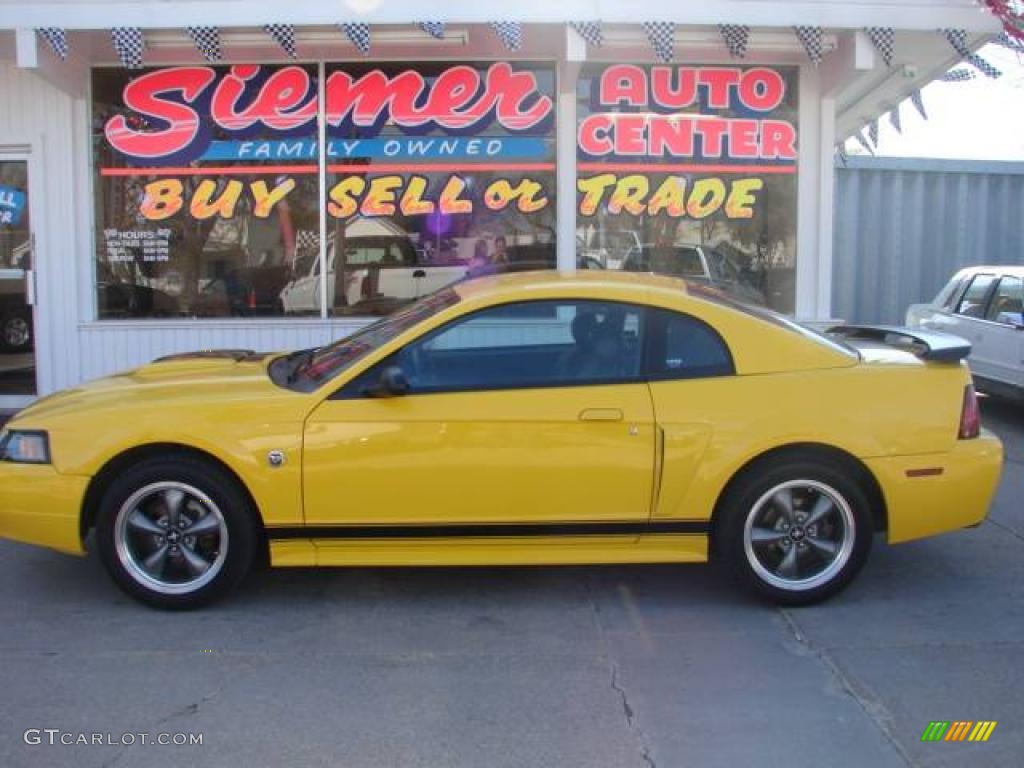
pixel 171 538
pixel 799 535
pixel 16 332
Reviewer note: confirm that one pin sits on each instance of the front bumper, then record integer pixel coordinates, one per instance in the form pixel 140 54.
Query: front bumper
pixel 920 505
pixel 38 505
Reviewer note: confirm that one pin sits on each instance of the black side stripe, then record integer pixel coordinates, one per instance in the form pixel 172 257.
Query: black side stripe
pixel 485 530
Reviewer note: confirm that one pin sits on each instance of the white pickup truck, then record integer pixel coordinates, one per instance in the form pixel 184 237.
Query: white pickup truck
pixel 379 271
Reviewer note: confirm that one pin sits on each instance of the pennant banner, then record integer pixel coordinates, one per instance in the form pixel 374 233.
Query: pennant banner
pixel 958 39
pixel 841 154
pixel 510 33
pixel 873 131
pixel 859 136
pixel 959 75
pixel 736 37
pixel 918 102
pixel 894 119
pixel 433 28
pixel 589 31
pixel 661 35
pixel 207 40
pixel 128 44
pixel 359 35
pixel 57 39
pixel 884 39
pixel 283 35
pixel 811 38
pixel 1006 41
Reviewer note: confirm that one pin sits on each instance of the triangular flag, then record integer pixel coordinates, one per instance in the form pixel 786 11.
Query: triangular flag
pixel 283 35
pixel 958 40
pixel 841 154
pixel 894 118
pixel 958 75
pixel 433 28
pixel 510 33
pixel 359 35
pixel 207 40
pixel 589 31
pixel 873 131
pixel 661 35
pixel 883 38
pixel 859 136
pixel 918 101
pixel 57 39
pixel 128 44
pixel 812 39
pixel 736 37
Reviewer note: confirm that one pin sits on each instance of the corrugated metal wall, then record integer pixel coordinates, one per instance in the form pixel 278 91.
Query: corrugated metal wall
pixel 903 226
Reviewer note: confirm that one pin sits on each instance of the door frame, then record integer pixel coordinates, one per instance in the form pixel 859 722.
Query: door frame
pixel 28 152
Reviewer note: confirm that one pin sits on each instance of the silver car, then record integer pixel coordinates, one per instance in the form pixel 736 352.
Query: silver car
pixel 984 305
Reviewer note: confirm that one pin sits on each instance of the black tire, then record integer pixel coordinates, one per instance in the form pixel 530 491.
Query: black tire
pixel 760 556
pixel 16 333
pixel 212 504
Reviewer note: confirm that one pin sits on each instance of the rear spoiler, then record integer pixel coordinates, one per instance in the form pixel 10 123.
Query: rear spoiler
pixel 928 345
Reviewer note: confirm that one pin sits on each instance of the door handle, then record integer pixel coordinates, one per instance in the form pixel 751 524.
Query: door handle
pixel 601 414
pixel 419 273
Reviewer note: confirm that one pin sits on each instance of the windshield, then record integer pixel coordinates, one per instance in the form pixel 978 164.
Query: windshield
pixel 320 365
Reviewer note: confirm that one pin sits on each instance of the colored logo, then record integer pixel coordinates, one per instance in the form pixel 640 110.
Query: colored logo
pixel 958 730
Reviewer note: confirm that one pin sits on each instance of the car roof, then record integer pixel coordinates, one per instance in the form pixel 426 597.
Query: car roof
pixel 1017 270
pixel 638 283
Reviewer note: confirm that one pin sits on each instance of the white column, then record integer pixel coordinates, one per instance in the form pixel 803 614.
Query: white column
pixel 565 155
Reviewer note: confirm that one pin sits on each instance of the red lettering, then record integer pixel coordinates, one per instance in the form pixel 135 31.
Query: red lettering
pixel 623 84
pixel 670 137
pixel 762 89
pixel 683 95
pixel 778 140
pixel 629 134
pixel 593 136
pixel 719 83
pixel 711 130
pixel 143 95
pixel 743 138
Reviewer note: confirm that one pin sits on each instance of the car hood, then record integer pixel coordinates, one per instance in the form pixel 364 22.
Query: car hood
pixel 206 376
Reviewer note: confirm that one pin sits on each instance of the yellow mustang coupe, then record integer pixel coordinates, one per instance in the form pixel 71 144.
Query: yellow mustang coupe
pixel 533 418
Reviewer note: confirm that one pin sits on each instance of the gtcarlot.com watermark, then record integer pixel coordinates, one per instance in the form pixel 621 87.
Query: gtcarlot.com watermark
pixel 55 736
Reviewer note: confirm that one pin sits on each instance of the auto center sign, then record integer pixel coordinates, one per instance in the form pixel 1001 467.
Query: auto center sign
pixel 676 141
pixel 683 141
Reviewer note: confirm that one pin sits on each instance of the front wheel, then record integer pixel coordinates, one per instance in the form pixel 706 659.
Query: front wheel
pixel 795 531
pixel 16 331
pixel 176 532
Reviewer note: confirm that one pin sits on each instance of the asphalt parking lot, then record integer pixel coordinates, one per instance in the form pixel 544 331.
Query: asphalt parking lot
pixel 624 666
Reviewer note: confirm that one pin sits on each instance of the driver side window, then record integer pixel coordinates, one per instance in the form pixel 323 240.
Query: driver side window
pixel 513 346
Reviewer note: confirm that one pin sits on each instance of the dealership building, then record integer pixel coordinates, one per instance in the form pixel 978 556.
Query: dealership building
pixel 260 175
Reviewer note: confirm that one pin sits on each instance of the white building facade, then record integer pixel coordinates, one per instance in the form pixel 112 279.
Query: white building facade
pixel 194 201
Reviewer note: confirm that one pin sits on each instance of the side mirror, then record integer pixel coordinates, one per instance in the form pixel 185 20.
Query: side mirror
pixel 392 383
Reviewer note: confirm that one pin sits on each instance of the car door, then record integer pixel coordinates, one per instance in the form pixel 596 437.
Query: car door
pixel 1001 341
pixel 520 413
pixel 968 321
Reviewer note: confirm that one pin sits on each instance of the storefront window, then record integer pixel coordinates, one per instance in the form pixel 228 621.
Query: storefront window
pixel 691 171
pixel 207 185
pixel 435 173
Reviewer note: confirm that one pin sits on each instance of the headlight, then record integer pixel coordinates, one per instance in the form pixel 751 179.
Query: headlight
pixel 24 447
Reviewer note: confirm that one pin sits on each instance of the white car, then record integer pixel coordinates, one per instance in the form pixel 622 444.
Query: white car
pixel 984 305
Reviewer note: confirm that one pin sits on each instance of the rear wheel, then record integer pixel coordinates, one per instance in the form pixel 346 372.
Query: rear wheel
pixel 176 532
pixel 16 330
pixel 795 531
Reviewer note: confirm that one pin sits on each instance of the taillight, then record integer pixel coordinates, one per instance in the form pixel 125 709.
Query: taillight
pixel 970 415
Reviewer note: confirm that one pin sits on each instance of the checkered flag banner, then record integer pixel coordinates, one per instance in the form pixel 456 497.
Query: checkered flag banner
pixel 1006 41
pixel 56 38
pixel 841 154
pixel 736 37
pixel 883 38
pixel 283 35
pixel 859 136
pixel 207 40
pixel 510 33
pixel 589 31
pixel 958 39
pixel 811 38
pixel 894 119
pixel 359 35
pixel 128 44
pixel 873 132
pixel 433 28
pixel 958 75
pixel 918 101
pixel 307 240
pixel 662 37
